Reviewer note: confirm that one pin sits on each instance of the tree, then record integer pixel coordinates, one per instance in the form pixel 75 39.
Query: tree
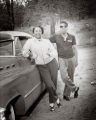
pixel 10 11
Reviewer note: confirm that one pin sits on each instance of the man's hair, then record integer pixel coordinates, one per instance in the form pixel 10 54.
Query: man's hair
pixel 64 22
pixel 42 29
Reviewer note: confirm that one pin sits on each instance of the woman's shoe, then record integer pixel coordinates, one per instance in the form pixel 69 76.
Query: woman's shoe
pixel 52 108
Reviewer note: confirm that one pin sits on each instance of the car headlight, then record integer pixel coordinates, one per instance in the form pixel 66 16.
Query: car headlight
pixel 2 113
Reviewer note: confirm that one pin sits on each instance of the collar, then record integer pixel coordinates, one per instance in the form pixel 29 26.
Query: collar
pixel 38 40
pixel 65 36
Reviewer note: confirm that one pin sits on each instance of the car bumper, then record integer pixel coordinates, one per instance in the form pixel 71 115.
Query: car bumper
pixel 2 113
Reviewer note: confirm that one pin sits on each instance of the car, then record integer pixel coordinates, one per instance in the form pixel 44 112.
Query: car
pixel 20 81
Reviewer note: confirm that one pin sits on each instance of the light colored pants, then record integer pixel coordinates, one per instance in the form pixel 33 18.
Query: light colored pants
pixel 67 69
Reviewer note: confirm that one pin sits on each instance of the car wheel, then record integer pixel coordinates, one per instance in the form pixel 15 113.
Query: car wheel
pixel 11 113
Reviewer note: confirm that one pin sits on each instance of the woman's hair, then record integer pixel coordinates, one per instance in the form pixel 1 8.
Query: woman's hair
pixel 64 22
pixel 42 29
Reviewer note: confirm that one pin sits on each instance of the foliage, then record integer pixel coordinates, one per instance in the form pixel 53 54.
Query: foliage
pixel 18 13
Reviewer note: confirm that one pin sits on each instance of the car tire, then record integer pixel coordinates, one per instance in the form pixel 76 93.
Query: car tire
pixel 11 113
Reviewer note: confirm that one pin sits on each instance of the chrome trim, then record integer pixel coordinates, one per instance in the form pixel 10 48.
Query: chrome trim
pixel 2 113
pixel 32 90
pixel 14 48
pixel 7 56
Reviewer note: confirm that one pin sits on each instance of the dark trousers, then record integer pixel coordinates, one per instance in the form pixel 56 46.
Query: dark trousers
pixel 48 74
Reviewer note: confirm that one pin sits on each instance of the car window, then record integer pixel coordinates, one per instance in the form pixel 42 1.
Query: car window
pixel 23 39
pixel 18 46
pixel 6 48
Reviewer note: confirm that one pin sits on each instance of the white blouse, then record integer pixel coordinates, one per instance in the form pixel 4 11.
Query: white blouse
pixel 41 50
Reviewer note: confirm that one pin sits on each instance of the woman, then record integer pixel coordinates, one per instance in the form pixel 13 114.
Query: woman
pixel 44 54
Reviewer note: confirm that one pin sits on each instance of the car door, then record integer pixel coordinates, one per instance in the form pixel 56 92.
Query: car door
pixel 30 84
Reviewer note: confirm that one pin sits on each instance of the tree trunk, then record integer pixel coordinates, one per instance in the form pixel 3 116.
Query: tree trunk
pixel 52 25
pixel 12 15
pixel 8 7
pixel 10 10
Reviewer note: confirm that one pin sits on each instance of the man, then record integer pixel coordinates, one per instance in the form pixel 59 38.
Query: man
pixel 68 59
pixel 44 54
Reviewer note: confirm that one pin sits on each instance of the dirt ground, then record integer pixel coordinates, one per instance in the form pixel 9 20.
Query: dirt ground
pixel 82 108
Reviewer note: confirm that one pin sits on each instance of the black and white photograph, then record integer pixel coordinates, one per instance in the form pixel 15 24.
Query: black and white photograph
pixel 47 59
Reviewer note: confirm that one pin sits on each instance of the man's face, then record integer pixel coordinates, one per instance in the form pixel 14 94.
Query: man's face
pixel 63 28
pixel 37 32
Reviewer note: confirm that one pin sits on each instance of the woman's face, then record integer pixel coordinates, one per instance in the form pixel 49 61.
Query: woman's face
pixel 38 32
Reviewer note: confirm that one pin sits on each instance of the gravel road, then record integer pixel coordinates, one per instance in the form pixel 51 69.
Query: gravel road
pixel 82 108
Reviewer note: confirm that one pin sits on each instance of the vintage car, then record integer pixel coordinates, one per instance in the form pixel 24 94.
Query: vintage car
pixel 20 83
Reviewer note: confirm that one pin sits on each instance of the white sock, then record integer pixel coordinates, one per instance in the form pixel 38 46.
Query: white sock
pixel 51 105
pixel 58 101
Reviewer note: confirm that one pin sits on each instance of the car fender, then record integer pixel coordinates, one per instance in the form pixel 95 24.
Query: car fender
pixel 18 103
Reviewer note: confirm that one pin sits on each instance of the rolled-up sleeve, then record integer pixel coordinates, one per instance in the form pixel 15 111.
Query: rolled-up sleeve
pixel 53 39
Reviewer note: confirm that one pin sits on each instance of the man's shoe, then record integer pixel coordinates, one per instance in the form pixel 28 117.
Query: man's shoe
pixel 59 105
pixel 67 98
pixel 76 92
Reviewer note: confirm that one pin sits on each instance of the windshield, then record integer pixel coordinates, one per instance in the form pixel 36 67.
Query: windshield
pixel 6 48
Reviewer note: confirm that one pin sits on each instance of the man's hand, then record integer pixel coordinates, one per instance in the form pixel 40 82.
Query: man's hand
pixel 76 64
